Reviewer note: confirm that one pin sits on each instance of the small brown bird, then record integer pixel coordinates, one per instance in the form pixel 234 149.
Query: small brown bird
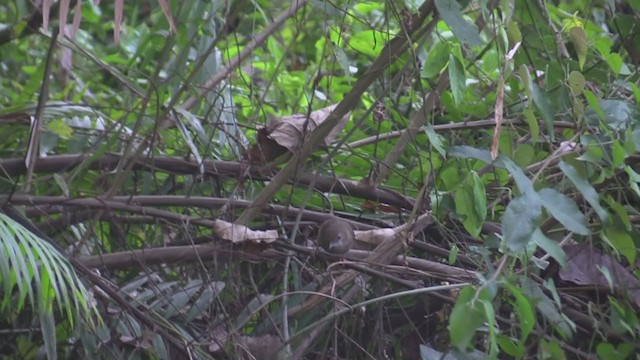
pixel 336 236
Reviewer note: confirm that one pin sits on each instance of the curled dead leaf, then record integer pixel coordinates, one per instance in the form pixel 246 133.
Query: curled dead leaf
pixel 239 233
pixel 289 133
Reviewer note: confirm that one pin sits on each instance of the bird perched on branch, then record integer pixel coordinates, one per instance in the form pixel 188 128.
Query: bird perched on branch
pixel 336 236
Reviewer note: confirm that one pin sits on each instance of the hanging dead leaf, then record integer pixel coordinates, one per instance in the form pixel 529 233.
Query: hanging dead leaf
pixel 265 149
pixel 288 131
pixel 286 134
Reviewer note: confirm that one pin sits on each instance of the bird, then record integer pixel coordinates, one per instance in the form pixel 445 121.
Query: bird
pixel 336 236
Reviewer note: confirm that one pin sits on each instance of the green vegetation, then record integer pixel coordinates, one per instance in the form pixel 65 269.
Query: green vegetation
pixel 165 166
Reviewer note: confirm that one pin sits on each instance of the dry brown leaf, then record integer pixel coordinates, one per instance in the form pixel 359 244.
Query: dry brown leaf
pixel 46 8
pixel 588 265
pixel 167 14
pixel 289 130
pixel 498 109
pixel 239 233
pixel 63 12
pixel 117 18
pixel 265 149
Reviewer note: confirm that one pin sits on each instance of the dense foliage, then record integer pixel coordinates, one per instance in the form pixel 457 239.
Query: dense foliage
pixel 164 168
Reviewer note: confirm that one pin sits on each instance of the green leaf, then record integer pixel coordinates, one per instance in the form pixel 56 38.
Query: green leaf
pixel 435 139
pixel 510 347
pixel 524 183
pixel 436 60
pixel 551 247
pixel 342 59
pixel 471 203
pixel 368 42
pixel 620 241
pixel 577 82
pixel 453 254
pixel 585 189
pixel 615 62
pixel 564 210
pixel 636 92
pixel 544 105
pixel 620 211
pixel 540 99
pixel 618 154
pixel 513 33
pixel 579 39
pixel 465 31
pixel 547 307
pixel 60 128
pixel 608 351
pixel 520 220
pixel 524 309
pixel 534 127
pixel 467 315
pixel 457 79
pixel 551 350
pixel 594 104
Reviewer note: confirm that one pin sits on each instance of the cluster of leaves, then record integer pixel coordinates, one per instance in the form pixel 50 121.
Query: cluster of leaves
pixel 513 126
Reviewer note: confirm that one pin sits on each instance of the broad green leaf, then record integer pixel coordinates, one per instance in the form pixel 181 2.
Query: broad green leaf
pixel 615 62
pixel 594 105
pixel 470 152
pixel 369 42
pixel 513 33
pixel 471 203
pixel 620 240
pixel 457 79
pixel 618 154
pixel 577 82
pixel 467 315
pixel 585 189
pixel 520 220
pixel 551 247
pixel 579 39
pixel 524 310
pixel 510 346
pixel 435 139
pixel 436 60
pixel 609 351
pixel 524 183
pixel 621 212
pixel 465 31
pixel 564 210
